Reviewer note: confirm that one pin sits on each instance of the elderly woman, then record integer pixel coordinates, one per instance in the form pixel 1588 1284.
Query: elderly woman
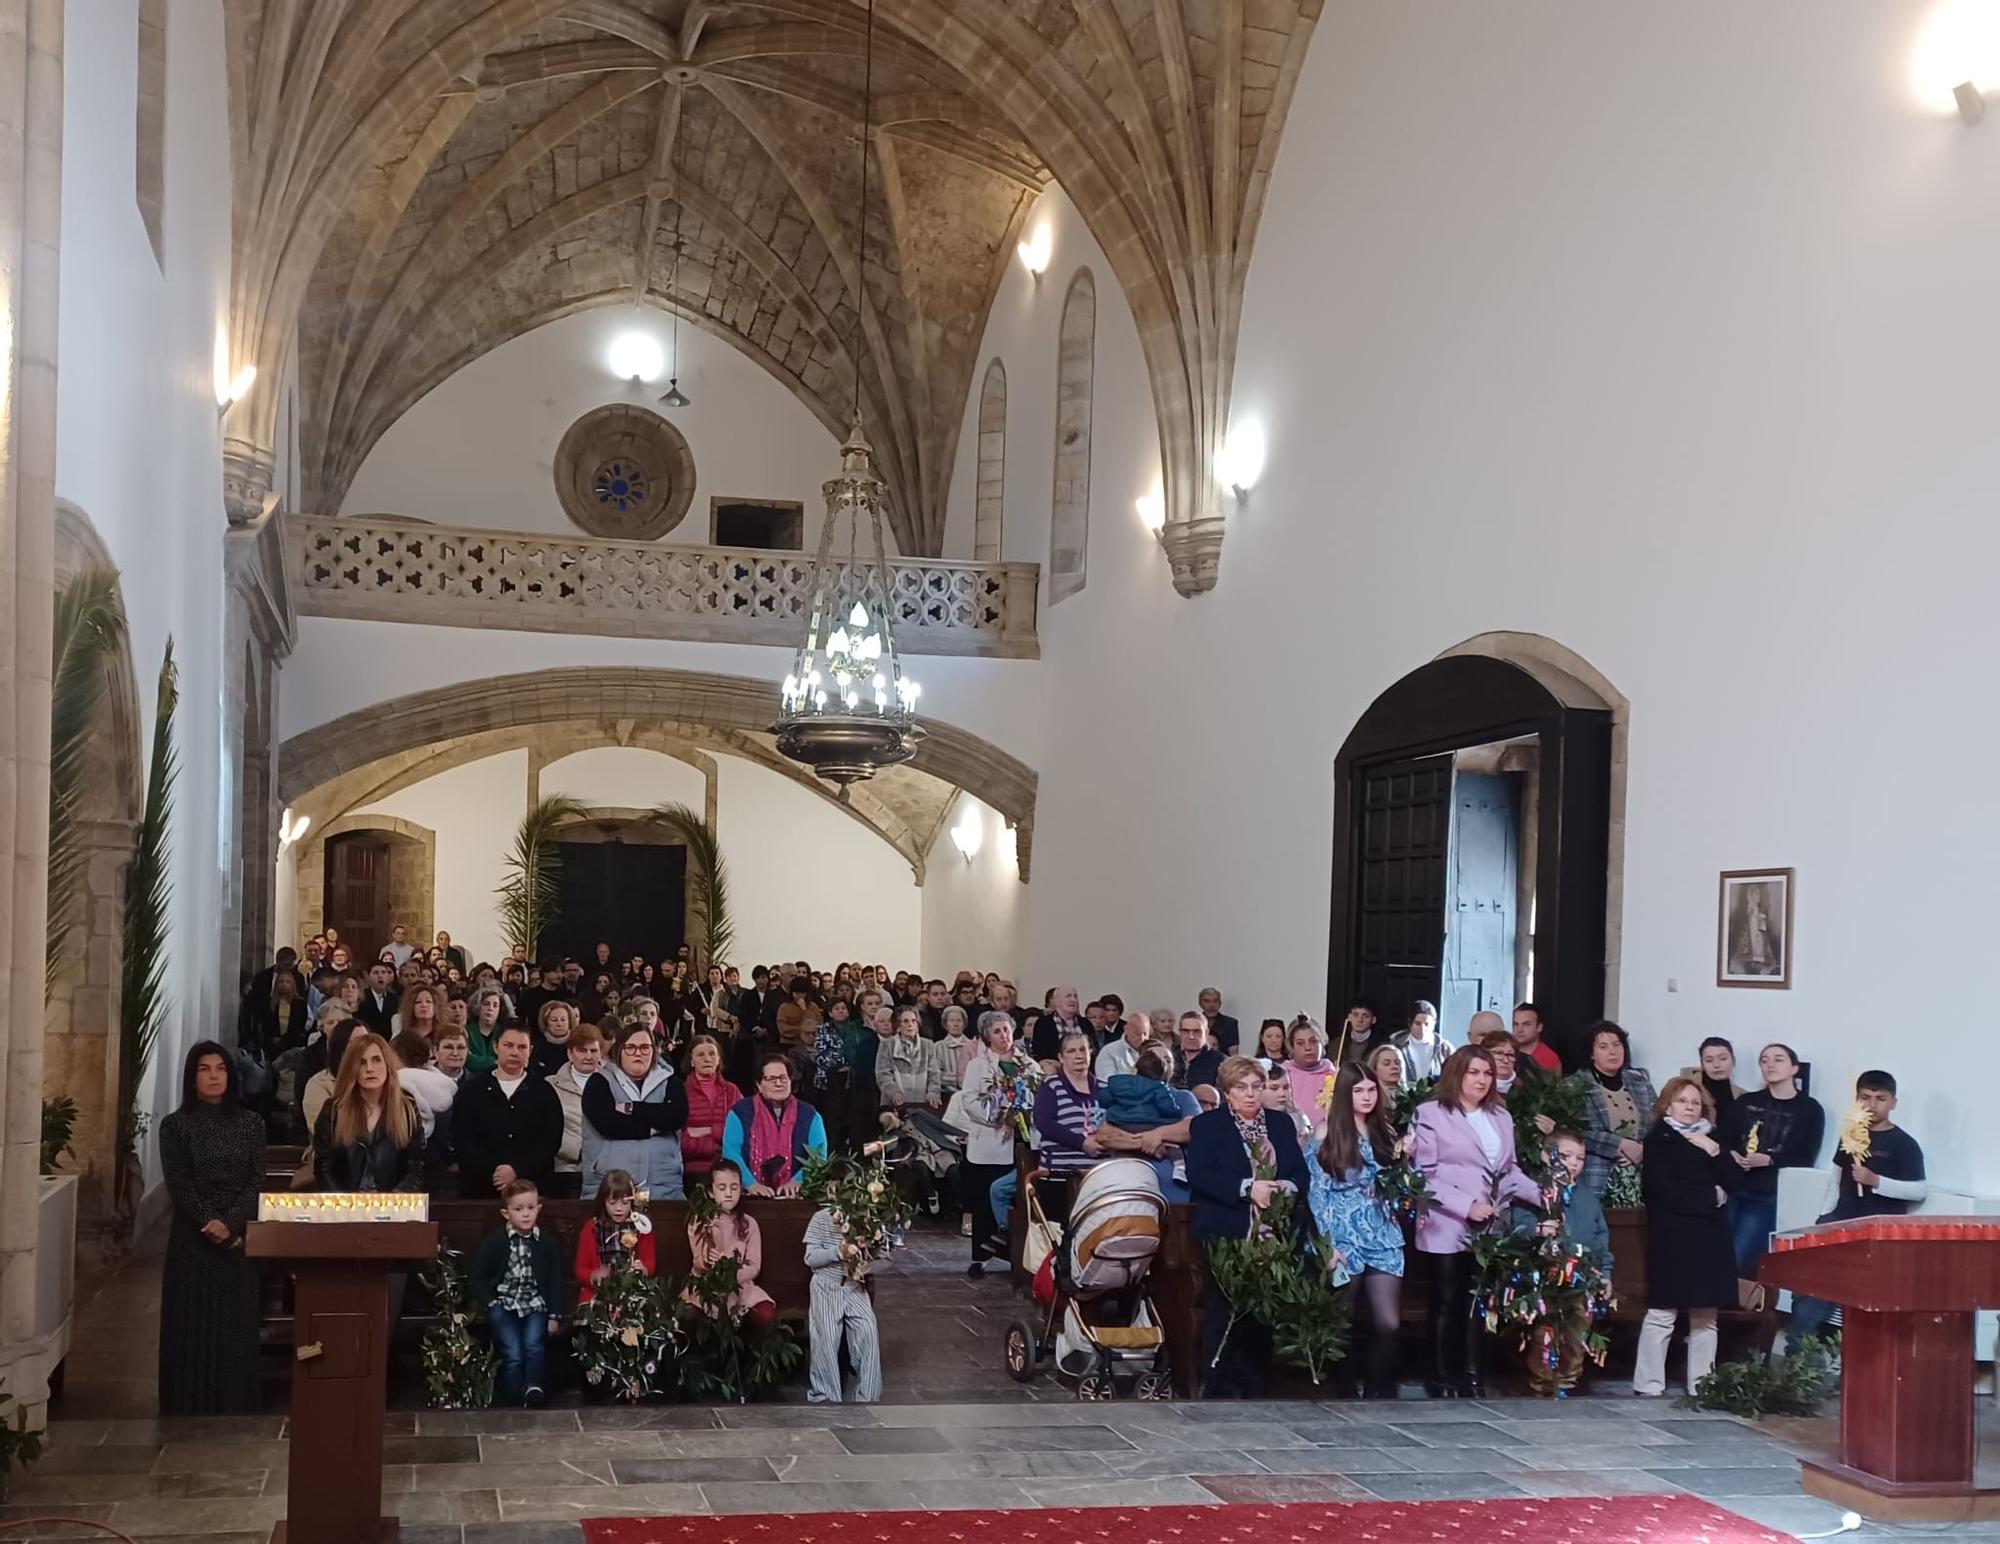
pixel 1066 1110
pixel 954 1050
pixel 989 1141
pixel 633 1111
pixel 1618 1110
pixel 906 1070
pixel 769 1135
pixel 485 1010
pixel 1462 1141
pixel 1239 1158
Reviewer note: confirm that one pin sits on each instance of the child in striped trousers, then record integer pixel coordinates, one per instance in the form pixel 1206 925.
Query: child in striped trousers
pixel 840 1306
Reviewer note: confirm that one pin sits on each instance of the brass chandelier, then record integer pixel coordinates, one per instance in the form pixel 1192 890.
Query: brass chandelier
pixel 848 710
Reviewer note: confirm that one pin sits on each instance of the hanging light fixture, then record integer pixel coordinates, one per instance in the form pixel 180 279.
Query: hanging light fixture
pixel 675 397
pixel 848 709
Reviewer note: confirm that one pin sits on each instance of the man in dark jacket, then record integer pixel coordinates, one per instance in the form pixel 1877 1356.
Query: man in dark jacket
pixel 505 1124
pixel 1223 1029
pixel 1198 1061
pixel 378 999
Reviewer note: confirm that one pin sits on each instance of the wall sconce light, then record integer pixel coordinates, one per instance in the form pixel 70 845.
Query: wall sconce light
pixel 1971 102
pixel 1036 251
pixel 1242 460
pixel 637 357
pixel 969 835
pixel 239 383
pixel 1152 509
pixel 290 831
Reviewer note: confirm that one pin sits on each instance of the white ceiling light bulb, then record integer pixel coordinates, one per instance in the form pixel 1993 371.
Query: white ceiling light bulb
pixel 1036 251
pixel 1242 460
pixel 969 835
pixel 1152 509
pixel 636 356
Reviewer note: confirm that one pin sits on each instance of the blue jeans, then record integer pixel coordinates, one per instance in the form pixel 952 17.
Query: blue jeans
pixel 1751 1218
pixel 1002 1196
pixel 522 1341
pixel 1810 1316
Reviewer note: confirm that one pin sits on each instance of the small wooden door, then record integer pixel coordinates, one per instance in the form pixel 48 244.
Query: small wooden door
pixel 631 895
pixel 357 893
pixel 1480 899
pixel 1405 831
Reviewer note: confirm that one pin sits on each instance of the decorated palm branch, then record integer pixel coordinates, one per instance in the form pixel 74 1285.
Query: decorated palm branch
pixel 1399 1185
pixel 625 1339
pixel 1532 1290
pixel 720 1360
pixel 868 1209
pixel 458 1367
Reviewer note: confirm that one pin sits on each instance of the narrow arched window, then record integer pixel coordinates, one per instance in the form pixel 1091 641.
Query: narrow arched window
pixel 1069 519
pixel 989 509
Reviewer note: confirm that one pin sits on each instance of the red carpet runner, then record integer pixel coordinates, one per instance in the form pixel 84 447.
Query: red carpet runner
pixel 1585 1520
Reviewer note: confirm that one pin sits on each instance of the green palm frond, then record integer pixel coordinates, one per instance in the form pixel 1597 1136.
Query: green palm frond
pixel 148 897
pixel 531 894
pixel 88 628
pixel 711 879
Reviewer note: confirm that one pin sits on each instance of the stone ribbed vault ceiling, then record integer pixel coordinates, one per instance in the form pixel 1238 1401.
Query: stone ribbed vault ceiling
pixel 418 181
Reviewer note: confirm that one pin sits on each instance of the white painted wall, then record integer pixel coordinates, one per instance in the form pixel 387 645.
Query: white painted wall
pixel 973 909
pixel 1662 334
pixel 805 880
pixel 138 448
pixel 480 448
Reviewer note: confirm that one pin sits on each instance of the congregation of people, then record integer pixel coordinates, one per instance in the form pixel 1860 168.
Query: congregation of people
pixel 610 1080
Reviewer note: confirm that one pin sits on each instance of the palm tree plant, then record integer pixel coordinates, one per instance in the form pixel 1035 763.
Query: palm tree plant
pixel 88 629
pixel 148 894
pixel 531 894
pixel 711 878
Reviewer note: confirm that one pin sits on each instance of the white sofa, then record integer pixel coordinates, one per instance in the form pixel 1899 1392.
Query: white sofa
pixel 1802 1196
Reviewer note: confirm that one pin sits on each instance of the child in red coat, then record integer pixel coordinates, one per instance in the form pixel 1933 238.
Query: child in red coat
pixel 619 1233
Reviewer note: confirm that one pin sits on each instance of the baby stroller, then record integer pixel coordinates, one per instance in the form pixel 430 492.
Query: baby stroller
pixel 1098 1317
pixel 926 1154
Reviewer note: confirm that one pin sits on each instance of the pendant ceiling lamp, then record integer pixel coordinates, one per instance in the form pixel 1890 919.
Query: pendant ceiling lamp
pixel 847 708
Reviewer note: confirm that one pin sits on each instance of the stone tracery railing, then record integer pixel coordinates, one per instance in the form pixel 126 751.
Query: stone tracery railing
pixel 383 569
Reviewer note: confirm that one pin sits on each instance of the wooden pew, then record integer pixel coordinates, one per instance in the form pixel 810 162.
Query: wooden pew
pixel 465 1224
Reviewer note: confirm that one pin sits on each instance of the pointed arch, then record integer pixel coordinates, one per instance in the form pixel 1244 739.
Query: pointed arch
pixel 990 491
pixel 1076 368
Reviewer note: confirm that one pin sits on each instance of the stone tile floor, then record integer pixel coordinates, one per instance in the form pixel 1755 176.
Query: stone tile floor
pixel 956 1434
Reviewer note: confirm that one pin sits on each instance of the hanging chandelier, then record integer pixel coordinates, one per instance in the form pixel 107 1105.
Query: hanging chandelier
pixel 848 710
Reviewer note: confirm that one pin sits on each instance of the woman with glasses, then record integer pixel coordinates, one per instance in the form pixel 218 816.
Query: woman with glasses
pixel 769 1135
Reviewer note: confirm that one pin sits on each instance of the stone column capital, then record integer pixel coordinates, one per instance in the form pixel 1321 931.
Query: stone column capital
pixel 248 470
pixel 1194 553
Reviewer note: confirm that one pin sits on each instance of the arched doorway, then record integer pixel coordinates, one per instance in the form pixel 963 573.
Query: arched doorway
pixel 365 874
pixel 1472 838
pixel 624 881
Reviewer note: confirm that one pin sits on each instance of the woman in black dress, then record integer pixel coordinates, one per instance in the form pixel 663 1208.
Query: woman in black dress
pixel 1690 1255
pixel 212 1154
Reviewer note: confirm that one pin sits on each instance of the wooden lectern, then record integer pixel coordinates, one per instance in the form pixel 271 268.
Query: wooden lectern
pixel 1907 1287
pixel 340 1339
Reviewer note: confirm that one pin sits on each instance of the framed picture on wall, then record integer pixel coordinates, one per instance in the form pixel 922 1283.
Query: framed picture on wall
pixel 1754 928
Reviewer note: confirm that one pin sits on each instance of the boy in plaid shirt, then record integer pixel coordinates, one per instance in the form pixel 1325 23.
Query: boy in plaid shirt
pixel 514 1279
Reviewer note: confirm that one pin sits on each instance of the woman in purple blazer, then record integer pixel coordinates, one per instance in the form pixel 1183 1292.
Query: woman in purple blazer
pixel 1463 1142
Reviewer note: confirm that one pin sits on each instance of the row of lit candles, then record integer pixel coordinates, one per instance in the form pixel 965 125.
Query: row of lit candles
pixel 343 1206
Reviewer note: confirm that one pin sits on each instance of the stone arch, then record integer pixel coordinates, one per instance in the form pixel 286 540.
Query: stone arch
pixel 728 713
pixel 81 1044
pixel 1574 680
pixel 1076 367
pixel 416 886
pixel 990 487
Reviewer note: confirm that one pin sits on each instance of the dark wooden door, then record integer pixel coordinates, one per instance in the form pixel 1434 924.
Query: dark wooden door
pixel 1405 833
pixel 1481 899
pixel 631 895
pixel 357 893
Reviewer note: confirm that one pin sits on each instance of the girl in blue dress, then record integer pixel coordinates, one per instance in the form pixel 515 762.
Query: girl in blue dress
pixel 1363 1239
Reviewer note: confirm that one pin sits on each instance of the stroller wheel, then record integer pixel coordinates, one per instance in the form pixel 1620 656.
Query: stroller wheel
pixel 1094 1386
pixel 1155 1386
pixel 1022 1352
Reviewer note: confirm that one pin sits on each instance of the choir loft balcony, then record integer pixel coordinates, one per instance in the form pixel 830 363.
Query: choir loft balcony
pixel 379 568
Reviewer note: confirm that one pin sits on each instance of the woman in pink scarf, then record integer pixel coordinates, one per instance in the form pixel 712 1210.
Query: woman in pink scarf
pixel 769 1134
